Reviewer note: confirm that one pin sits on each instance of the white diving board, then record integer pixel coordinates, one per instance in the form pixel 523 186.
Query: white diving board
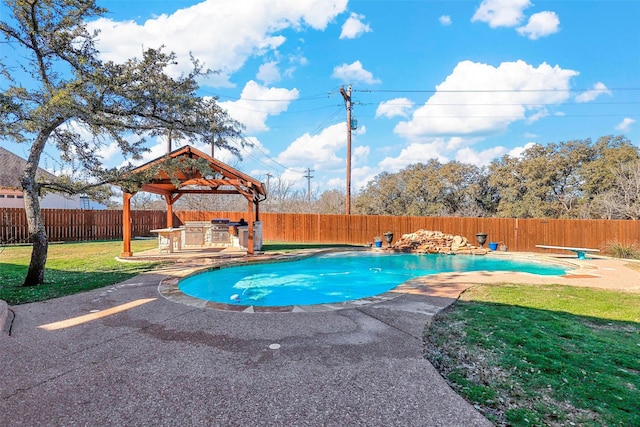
pixel 580 251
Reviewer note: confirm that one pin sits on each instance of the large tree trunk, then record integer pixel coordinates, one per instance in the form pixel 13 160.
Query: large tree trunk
pixel 37 232
pixel 38 235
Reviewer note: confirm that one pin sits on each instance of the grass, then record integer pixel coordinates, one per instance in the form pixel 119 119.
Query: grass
pixel 542 355
pixel 71 268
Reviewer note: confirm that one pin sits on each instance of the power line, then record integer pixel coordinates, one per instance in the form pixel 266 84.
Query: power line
pixel 620 89
pixel 235 98
pixel 495 104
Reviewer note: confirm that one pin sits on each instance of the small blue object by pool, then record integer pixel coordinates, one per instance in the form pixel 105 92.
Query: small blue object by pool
pixel 337 277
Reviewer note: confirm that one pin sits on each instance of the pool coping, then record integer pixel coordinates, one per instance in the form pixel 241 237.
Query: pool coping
pixel 168 287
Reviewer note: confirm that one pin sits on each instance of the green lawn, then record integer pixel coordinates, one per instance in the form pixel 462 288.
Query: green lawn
pixel 71 268
pixel 542 355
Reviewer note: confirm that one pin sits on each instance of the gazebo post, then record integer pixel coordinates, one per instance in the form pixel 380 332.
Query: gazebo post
pixel 167 198
pixel 250 250
pixel 126 225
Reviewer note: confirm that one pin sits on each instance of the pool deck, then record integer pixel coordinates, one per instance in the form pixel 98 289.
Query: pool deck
pixel 126 355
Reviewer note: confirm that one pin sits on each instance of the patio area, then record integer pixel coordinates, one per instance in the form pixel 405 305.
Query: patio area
pixel 126 355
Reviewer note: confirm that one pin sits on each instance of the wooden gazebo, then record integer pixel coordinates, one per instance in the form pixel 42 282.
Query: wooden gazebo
pixel 226 180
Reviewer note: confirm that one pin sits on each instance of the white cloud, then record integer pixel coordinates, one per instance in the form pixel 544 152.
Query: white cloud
pixel 338 183
pixel 597 90
pixel 518 151
pixel 479 158
pixel 445 20
pixel 354 27
pixel 414 153
pixel 501 13
pixel 354 72
pixel 394 107
pixel 257 103
pixel 108 152
pixel 540 114
pixel 625 125
pixel 269 73
pixel 360 177
pixel 480 99
pixel 228 33
pixel 540 25
pixel 317 151
pixel 360 153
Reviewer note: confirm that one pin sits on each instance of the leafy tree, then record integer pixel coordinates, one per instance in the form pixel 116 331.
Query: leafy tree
pixel 55 90
pixel 382 196
pixel 428 188
pixel 558 179
pixel 610 154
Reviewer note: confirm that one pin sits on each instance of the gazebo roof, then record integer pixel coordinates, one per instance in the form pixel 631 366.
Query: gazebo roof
pixel 228 180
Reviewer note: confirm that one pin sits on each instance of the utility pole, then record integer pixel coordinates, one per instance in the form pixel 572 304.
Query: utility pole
pixel 308 176
pixel 269 176
pixel 347 101
pixel 268 190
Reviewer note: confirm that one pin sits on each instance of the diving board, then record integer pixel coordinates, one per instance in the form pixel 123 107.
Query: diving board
pixel 579 251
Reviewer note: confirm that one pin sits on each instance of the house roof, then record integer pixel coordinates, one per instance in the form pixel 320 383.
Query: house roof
pixel 232 181
pixel 12 167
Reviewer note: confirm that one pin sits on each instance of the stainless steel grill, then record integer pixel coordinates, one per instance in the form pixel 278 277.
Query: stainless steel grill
pixel 220 230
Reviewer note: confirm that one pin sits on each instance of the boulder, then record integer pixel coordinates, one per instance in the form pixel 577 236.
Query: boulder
pixel 427 241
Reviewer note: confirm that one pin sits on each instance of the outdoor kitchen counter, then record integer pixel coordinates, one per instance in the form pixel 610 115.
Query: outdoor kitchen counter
pixel 169 239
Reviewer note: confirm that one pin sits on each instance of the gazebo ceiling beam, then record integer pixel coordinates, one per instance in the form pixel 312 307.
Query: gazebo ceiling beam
pixel 203 191
pixel 205 182
pixel 156 190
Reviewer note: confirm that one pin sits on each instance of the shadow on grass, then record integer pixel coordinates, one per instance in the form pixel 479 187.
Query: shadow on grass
pixel 525 366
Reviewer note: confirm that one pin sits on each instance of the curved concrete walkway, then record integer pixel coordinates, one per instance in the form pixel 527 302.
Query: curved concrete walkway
pixel 124 355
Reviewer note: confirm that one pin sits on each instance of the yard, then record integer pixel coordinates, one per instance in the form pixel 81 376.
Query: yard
pixel 521 354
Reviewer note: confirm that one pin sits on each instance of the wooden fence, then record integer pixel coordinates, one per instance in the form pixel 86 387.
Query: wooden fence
pixel 68 225
pixel 516 234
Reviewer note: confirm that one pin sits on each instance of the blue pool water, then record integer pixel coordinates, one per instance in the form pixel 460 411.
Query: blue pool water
pixel 337 277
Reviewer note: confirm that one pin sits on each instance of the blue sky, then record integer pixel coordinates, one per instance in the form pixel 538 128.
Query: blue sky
pixel 451 80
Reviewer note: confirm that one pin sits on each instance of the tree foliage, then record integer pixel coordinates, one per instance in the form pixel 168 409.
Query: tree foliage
pixel 427 189
pixel 573 179
pixel 56 91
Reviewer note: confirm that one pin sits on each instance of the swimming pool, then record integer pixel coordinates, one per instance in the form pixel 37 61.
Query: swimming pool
pixel 337 277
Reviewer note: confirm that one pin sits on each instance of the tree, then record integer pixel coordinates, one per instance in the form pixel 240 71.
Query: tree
pixel 611 153
pixel 426 189
pixel 559 179
pixel 382 196
pixel 331 202
pixel 72 93
pixel 622 201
